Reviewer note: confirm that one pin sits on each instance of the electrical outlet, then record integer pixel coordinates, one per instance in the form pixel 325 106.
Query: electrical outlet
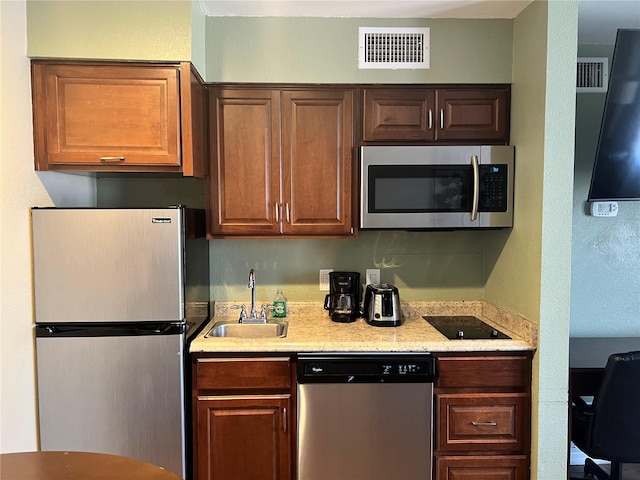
pixel 324 279
pixel 373 276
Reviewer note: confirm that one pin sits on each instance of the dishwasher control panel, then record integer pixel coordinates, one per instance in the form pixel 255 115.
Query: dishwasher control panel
pixel 366 369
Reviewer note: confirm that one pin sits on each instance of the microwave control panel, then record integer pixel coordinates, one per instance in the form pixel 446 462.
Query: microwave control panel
pixel 493 188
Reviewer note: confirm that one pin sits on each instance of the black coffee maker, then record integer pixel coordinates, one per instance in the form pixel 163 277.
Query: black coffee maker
pixel 343 301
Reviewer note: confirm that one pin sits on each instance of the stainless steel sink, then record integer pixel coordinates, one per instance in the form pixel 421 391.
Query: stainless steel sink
pixel 248 330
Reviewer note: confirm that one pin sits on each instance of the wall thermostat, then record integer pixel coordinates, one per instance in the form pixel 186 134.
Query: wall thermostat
pixel 604 209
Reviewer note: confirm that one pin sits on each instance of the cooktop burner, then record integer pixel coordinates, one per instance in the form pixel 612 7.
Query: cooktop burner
pixel 463 327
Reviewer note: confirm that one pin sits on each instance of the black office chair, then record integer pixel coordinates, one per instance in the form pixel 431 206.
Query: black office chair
pixel 609 428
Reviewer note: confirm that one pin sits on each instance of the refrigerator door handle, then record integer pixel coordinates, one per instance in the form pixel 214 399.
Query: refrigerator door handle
pixel 110 330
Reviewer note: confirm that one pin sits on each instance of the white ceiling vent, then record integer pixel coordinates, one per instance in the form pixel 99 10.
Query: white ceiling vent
pixel 393 48
pixel 592 75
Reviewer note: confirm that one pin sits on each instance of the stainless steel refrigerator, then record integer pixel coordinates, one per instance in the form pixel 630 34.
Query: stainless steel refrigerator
pixel 119 293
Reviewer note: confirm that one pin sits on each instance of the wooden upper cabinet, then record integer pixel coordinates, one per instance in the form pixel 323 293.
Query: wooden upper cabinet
pixel 317 143
pixel 245 161
pixel 447 115
pixel 281 161
pixel 91 116
pixel 480 115
pixel 406 114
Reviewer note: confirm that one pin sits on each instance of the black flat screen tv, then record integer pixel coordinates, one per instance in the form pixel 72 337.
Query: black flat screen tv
pixel 616 170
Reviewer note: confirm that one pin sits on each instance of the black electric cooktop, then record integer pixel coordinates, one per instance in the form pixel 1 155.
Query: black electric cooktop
pixel 464 327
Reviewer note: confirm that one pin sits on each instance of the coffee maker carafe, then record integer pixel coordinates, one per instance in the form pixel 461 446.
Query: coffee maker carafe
pixel 343 300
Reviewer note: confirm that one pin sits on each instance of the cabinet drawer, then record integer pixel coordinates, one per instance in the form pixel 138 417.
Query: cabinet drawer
pixel 489 467
pixel 243 374
pixel 482 422
pixel 499 372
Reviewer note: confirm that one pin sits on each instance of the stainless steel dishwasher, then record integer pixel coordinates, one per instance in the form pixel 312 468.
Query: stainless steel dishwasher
pixel 365 416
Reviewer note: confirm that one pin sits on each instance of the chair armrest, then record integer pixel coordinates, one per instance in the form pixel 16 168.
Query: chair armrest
pixel 581 406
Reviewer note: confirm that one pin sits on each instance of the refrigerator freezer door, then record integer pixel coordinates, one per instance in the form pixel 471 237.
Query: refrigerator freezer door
pixel 108 265
pixel 116 395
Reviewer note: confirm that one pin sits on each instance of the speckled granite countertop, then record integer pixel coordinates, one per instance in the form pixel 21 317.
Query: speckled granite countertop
pixel 311 330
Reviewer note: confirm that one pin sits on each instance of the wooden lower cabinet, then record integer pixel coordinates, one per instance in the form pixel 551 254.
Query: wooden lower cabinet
pixel 483 416
pixel 482 467
pixel 244 437
pixel 244 418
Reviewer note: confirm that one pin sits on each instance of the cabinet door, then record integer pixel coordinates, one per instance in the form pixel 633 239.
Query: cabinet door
pixel 317 146
pixel 244 437
pixel 474 115
pixel 398 114
pixel 482 422
pixel 113 117
pixel 490 467
pixel 245 156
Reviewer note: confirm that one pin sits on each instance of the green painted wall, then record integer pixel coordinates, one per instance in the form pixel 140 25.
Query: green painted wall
pixel 425 266
pixel 132 30
pixel 198 37
pixel 310 50
pixel 514 280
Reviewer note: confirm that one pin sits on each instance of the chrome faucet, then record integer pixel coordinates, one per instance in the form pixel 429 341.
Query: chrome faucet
pixel 253 314
pixel 252 317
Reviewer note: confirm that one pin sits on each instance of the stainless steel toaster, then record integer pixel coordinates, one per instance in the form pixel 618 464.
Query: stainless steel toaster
pixel 382 305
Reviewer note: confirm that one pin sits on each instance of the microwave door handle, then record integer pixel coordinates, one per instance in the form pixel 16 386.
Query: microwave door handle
pixel 476 187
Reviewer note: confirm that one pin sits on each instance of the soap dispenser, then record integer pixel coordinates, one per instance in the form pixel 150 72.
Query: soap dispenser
pixel 279 305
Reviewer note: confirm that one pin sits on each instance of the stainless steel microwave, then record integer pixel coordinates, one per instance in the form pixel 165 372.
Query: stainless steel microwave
pixel 436 187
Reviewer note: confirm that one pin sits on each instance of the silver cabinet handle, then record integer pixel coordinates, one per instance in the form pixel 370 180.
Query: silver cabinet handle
pixel 476 187
pixel 284 419
pixel 484 424
pixel 111 159
pixel 441 118
pixel 430 119
pixel 277 213
pixel 288 213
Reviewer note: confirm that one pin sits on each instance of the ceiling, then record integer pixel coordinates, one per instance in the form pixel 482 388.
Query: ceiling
pixel 367 8
pixel 598 20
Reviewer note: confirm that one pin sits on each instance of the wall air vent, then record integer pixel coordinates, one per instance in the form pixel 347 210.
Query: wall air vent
pixel 592 75
pixel 393 48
